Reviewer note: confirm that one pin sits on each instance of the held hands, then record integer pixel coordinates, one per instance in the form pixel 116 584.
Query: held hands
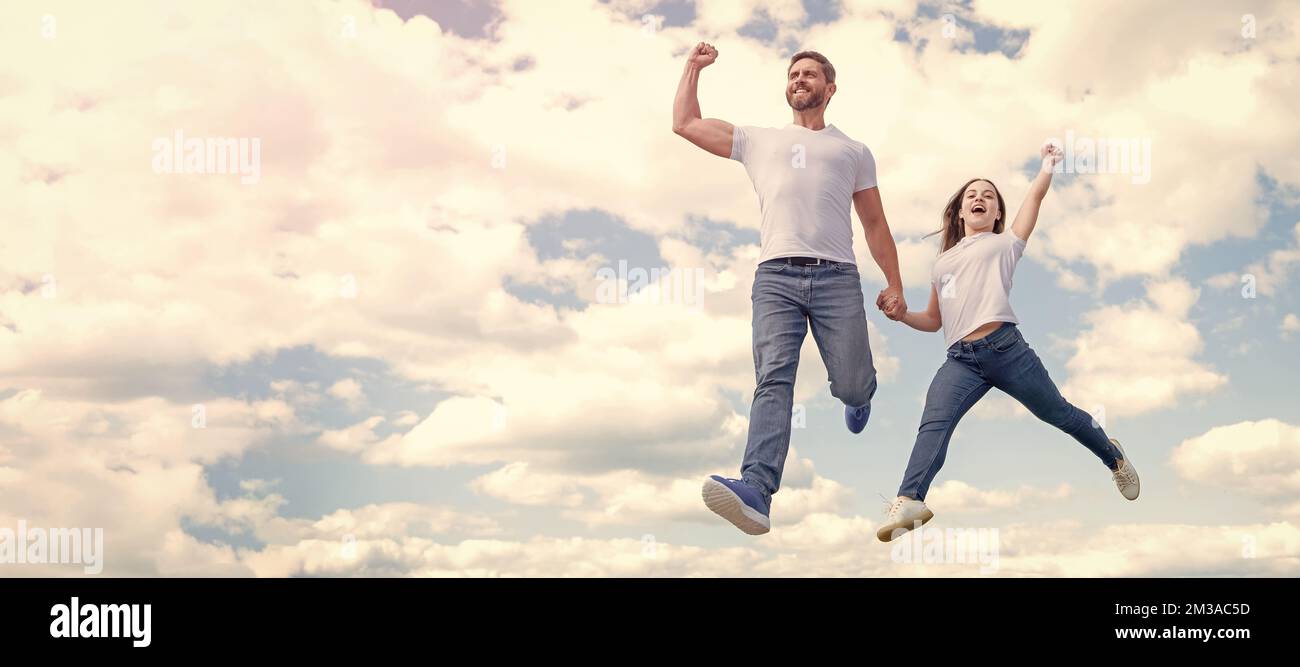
pixel 892 303
pixel 1051 154
pixel 703 55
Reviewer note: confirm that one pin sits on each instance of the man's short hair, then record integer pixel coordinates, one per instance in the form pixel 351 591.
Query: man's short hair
pixel 828 70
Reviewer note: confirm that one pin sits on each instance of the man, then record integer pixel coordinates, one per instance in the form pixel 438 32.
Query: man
pixel 805 175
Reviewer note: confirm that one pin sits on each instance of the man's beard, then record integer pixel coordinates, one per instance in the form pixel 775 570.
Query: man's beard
pixel 814 99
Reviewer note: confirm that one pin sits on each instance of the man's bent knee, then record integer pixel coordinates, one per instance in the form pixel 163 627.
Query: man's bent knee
pixel 856 395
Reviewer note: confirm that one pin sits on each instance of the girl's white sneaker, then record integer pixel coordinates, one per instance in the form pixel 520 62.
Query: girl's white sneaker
pixel 1126 477
pixel 904 515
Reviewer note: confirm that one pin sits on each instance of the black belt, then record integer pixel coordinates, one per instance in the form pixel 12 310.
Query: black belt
pixel 807 261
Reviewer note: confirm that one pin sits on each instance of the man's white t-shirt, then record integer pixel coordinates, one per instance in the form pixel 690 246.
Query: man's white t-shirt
pixel 973 280
pixel 805 180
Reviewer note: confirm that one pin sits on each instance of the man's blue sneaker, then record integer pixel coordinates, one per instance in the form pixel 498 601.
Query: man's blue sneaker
pixel 737 502
pixel 856 418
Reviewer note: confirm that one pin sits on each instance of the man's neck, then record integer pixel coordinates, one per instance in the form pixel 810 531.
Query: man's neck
pixel 813 119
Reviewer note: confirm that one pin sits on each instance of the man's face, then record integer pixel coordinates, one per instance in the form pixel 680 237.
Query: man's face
pixel 806 87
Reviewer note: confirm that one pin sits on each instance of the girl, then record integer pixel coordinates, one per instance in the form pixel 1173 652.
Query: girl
pixel 970 286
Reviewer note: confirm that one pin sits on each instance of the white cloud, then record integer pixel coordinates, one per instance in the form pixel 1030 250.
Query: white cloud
pixel 513 483
pixel 997 406
pixel 1202 73
pixel 407 418
pixel 1152 549
pixel 348 390
pixel 1140 356
pixel 377 521
pixel 821 545
pixel 133 469
pixel 296 393
pixel 958 496
pixel 354 438
pixel 1290 324
pixel 635 498
pixel 1267 275
pixel 1260 459
pixel 381 229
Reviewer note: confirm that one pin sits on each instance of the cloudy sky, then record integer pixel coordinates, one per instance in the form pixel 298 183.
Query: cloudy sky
pixel 379 345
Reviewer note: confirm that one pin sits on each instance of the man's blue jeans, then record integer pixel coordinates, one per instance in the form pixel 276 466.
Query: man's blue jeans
pixel 1004 360
pixel 787 299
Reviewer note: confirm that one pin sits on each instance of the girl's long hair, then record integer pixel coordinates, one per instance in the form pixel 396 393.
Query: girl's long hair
pixel 953 230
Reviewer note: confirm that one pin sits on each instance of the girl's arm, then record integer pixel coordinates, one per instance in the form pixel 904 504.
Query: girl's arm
pixel 928 321
pixel 1027 216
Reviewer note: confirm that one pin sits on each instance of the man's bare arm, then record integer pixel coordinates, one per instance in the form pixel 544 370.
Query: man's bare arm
pixel 711 134
pixel 881 243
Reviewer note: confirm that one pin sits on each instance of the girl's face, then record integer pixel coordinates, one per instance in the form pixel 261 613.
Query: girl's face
pixel 979 206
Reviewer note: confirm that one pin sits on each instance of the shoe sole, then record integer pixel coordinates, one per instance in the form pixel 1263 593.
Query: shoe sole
pixel 1135 472
pixel 891 531
pixel 849 424
pixel 725 503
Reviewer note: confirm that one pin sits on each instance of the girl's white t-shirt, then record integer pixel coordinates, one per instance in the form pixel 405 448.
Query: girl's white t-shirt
pixel 973 280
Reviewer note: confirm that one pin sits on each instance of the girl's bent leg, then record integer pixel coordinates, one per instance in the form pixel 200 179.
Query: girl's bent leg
pixel 955 388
